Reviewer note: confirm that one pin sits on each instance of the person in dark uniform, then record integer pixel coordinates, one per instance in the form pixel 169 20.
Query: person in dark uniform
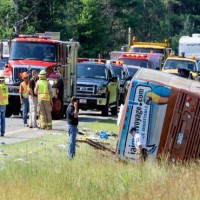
pixel 72 123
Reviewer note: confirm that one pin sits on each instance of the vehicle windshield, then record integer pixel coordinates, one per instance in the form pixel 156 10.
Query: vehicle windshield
pixel 92 71
pixel 146 50
pixel 132 71
pixel 3 62
pixel 135 62
pixel 183 64
pixel 33 51
pixel 118 71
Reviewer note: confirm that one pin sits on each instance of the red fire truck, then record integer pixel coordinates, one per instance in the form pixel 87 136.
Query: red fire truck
pixel 29 52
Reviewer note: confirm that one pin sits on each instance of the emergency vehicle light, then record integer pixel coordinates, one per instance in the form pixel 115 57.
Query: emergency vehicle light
pixel 83 59
pixel 34 36
pixel 138 56
pixel 99 60
pixel 91 60
pixel 117 62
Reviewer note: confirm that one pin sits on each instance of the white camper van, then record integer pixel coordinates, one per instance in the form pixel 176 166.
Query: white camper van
pixel 190 46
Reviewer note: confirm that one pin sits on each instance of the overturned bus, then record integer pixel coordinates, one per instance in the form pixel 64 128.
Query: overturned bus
pixel 165 110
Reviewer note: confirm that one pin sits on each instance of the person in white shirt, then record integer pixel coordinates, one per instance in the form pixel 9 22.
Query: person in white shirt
pixel 140 145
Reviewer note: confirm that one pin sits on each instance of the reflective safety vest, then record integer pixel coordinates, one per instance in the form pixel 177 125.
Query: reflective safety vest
pixel 25 92
pixel 3 94
pixel 43 90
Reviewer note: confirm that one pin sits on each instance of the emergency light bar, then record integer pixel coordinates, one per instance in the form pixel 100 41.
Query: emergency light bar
pixel 137 56
pixel 117 62
pixel 82 59
pixel 34 36
pixel 91 60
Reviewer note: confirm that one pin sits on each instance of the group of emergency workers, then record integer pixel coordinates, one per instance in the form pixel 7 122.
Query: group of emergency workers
pixel 35 97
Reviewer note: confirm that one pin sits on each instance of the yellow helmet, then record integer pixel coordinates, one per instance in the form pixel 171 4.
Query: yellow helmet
pixel 42 73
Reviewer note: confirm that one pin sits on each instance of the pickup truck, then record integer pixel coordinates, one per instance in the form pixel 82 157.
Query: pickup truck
pixel 97 87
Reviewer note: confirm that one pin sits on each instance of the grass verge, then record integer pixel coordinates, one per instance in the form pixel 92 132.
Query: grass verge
pixel 39 169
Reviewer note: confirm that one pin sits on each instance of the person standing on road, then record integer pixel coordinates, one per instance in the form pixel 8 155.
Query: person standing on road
pixel 24 93
pixel 3 103
pixel 44 92
pixel 72 123
pixel 140 145
pixel 33 101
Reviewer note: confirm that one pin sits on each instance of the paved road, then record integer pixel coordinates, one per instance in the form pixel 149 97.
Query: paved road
pixel 16 132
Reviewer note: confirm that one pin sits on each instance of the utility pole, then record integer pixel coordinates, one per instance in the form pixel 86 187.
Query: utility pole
pixel 129 36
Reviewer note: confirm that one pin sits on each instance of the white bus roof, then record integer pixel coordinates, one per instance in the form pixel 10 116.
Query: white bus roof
pixel 168 80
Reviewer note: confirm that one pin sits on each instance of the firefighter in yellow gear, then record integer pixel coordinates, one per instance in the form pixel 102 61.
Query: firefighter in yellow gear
pixel 3 103
pixel 44 92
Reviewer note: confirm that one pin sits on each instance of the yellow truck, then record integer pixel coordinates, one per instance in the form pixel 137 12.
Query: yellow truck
pixel 151 47
pixel 185 67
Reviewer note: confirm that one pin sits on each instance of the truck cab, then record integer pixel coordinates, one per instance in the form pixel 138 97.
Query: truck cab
pixel 176 65
pixel 137 59
pixel 151 47
pixel 29 52
pixel 97 87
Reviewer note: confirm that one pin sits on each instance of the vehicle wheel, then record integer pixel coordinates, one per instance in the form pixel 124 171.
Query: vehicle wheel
pixel 114 110
pixel 105 109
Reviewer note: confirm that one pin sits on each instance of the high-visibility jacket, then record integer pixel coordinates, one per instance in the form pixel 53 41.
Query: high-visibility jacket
pixel 43 90
pixel 3 94
pixel 25 92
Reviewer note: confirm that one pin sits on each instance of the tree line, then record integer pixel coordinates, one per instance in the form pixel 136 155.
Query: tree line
pixel 102 26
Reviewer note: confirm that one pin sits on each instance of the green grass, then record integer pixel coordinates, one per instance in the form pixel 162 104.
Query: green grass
pixel 108 125
pixel 40 171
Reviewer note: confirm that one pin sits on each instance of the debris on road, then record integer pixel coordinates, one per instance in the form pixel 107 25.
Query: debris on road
pixel 62 146
pixel 22 160
pixel 42 143
pixel 96 144
pixel 55 134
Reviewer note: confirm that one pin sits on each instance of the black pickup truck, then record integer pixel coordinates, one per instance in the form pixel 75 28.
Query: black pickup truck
pixel 97 88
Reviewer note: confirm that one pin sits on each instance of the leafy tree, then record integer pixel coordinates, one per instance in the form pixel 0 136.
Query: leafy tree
pixel 6 18
pixel 92 28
